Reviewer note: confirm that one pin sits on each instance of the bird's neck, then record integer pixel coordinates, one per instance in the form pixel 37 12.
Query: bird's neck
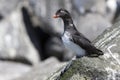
pixel 68 24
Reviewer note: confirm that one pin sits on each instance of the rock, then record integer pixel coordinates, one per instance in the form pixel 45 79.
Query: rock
pixel 15 43
pixel 12 70
pixel 91 27
pixel 6 7
pixel 83 6
pixel 43 70
pixel 106 67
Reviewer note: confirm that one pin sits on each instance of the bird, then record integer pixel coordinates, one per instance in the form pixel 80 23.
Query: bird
pixel 73 39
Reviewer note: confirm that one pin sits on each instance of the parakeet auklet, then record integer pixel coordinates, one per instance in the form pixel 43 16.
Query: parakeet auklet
pixel 74 40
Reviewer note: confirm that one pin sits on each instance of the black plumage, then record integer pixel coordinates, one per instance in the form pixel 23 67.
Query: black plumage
pixel 75 36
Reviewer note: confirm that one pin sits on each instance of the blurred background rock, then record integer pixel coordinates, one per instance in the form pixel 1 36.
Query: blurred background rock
pixel 29 35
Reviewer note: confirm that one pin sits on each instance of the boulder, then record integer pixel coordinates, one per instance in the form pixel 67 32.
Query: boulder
pixel 12 70
pixel 6 7
pixel 43 70
pixel 15 43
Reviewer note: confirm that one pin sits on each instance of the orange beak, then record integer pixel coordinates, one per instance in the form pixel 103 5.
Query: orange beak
pixel 55 16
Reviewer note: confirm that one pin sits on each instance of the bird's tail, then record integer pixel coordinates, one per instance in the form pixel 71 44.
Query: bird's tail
pixel 95 53
pixel 99 52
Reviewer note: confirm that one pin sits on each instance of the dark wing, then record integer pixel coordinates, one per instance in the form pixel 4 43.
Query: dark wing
pixel 84 43
pixel 82 37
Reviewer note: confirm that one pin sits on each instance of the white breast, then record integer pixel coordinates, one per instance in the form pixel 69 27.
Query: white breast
pixel 71 45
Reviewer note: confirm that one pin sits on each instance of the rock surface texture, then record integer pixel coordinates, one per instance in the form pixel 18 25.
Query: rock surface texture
pixel 43 70
pixel 12 70
pixel 15 43
pixel 7 7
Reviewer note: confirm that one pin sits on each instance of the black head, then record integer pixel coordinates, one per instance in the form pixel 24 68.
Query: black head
pixel 62 13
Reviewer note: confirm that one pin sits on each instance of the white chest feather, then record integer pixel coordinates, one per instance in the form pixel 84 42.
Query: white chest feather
pixel 66 37
pixel 71 45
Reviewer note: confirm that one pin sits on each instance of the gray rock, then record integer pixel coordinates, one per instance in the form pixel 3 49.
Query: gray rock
pixel 12 70
pixel 15 43
pixel 6 7
pixel 92 25
pixel 106 67
pixel 90 5
pixel 43 70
